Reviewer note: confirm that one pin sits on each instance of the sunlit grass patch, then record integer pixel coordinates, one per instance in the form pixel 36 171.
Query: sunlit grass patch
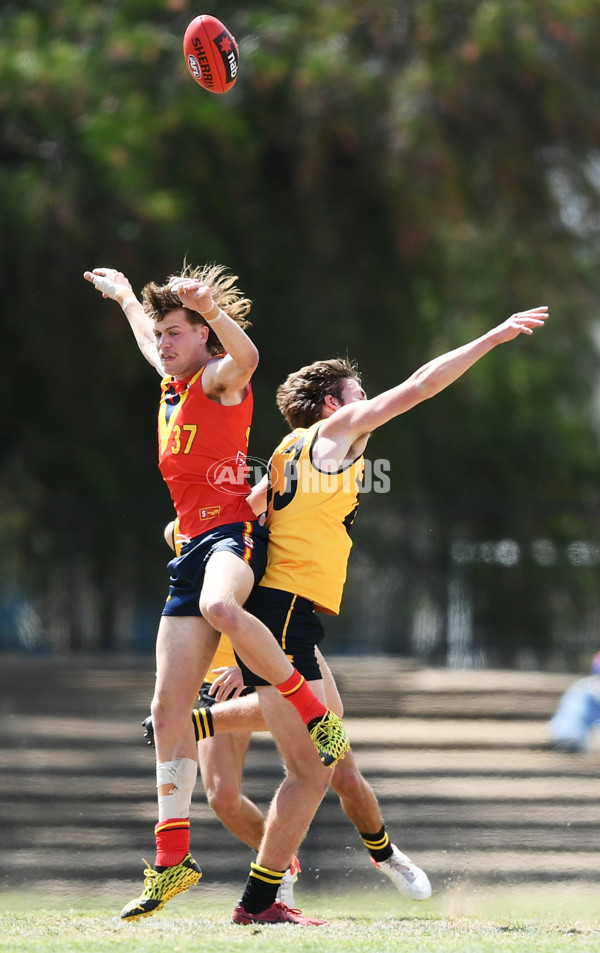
pixel 470 919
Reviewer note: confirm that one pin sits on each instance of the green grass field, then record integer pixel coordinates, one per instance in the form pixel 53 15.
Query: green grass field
pixel 528 919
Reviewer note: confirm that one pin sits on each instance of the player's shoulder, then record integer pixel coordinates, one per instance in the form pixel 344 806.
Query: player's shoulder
pixel 208 371
pixel 215 385
pixel 298 437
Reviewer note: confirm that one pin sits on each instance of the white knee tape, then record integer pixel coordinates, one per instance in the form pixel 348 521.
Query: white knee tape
pixel 182 775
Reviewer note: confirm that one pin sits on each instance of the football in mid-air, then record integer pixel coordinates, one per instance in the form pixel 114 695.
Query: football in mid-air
pixel 211 54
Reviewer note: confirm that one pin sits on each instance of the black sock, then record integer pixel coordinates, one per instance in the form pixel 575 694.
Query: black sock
pixel 378 845
pixel 261 888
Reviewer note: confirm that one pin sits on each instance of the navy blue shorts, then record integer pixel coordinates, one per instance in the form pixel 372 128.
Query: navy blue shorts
pixel 294 623
pixel 187 569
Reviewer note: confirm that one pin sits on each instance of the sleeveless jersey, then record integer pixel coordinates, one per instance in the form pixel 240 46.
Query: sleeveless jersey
pixel 202 447
pixel 309 514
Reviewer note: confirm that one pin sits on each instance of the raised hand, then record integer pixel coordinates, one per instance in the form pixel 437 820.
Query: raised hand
pixel 523 322
pixel 193 294
pixel 109 281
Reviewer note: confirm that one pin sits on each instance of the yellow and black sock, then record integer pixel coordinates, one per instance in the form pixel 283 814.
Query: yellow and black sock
pixel 203 723
pixel 261 888
pixel 378 845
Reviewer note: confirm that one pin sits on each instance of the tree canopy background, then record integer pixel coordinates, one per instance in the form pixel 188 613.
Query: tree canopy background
pixel 388 180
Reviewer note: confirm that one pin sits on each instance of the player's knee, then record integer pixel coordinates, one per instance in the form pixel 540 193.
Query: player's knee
pixel 224 800
pixel 167 716
pixel 322 782
pixel 158 710
pixel 346 782
pixel 309 774
pixel 222 615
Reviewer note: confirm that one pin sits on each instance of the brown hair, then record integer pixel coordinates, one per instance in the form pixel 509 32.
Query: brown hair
pixel 159 300
pixel 301 396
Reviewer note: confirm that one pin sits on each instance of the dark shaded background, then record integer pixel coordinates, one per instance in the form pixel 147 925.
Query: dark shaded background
pixel 388 180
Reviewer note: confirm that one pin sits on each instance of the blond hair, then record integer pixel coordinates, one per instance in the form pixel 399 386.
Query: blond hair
pixel 159 300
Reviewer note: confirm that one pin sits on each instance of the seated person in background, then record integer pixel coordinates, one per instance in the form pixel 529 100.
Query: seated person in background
pixel 578 713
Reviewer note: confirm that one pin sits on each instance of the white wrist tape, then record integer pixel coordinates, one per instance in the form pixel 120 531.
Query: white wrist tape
pixel 106 285
pixel 213 315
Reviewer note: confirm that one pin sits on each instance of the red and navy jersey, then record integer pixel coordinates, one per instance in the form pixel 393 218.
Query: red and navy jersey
pixel 202 448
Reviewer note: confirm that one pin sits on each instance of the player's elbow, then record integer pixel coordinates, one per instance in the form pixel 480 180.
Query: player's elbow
pixel 253 359
pixel 248 356
pixel 246 364
pixel 424 387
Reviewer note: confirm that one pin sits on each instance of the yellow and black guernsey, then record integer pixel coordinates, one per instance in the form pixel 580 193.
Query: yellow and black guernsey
pixel 309 515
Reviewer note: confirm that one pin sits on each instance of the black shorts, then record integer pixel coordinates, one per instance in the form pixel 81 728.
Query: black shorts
pixel 207 700
pixel 294 623
pixel 187 569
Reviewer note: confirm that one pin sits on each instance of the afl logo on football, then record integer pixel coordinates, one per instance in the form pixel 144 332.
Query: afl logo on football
pixel 194 66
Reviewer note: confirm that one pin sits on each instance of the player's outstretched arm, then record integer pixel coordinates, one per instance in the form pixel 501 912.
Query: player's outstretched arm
pixel 113 284
pixel 365 416
pixel 241 360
